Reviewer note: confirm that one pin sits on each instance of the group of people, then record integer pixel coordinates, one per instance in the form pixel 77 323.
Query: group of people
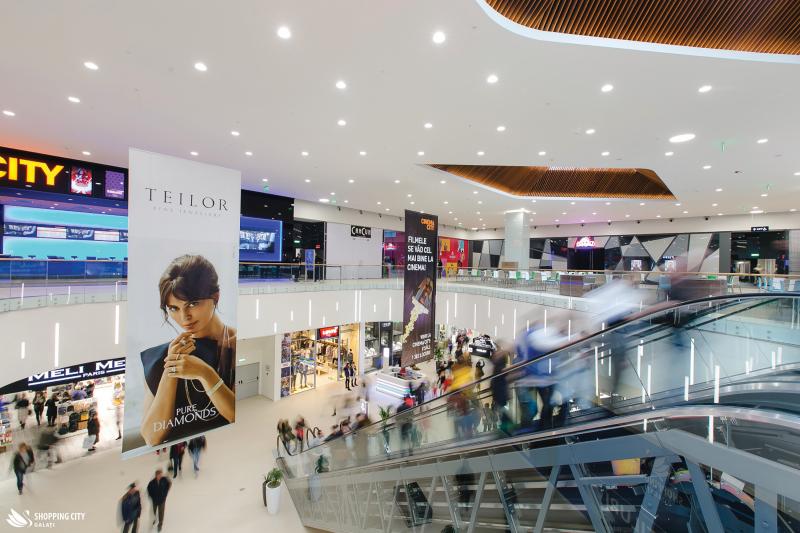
pixel 130 505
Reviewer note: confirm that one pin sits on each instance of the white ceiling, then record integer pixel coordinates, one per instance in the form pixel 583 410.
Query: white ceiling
pixel 281 96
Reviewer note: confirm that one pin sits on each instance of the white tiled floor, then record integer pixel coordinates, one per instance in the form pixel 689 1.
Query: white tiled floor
pixel 225 497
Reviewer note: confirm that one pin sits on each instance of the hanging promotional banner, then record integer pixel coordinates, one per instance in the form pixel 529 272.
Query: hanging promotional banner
pixel 419 288
pixel 183 250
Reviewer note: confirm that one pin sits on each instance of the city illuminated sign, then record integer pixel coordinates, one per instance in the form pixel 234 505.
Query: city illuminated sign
pixel 585 242
pixel 329 333
pixel 10 169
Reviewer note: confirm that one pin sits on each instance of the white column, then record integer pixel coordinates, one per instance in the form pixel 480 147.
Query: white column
pixel 517 240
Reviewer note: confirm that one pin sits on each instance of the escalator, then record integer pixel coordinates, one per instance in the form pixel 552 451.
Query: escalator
pixel 679 419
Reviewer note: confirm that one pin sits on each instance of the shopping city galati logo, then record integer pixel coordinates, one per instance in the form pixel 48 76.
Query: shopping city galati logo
pixel 41 520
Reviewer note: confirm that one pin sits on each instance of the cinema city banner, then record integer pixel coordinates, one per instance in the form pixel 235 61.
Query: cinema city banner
pixel 183 251
pixel 419 288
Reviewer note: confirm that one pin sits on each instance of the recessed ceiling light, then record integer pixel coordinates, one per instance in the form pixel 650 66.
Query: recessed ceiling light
pixel 669 154
pixel 474 192
pixel 764 195
pixel 594 213
pixel 718 189
pixel 627 216
pixel 193 153
pixel 564 213
pixel 456 218
pixel 582 220
pixel 682 137
pixel 235 133
pixel 608 203
pixel 556 220
pixel 248 154
pixel 397 181
pixel 686 212
pixel 341 84
pixel 572 203
pixel 481 153
pixel 641 203
pixel 341 122
pixel 439 37
pixel 307 180
pixel 706 167
pixel 756 211
pixel 533 201
pixel 658 216
pixel 590 131
pixel 333 194
pixel 449 212
pixel 351 180
pixel 409 195
pixel 347 201
pixel 678 204
pixel 9 113
pixel 755 207
pixel 501 128
pixel 362 152
pixel 492 78
pixel 719 214
pixel 607 88
pixel 704 88
pixel 200 66
pixel 714 205
pixel 74 99
pixel 85 152
pixel 477 212
pixel 762 141
pixel 604 154
pixel 446 202
pixel 379 203
pixel 265 180
pixel 792 210
pixel 442 182
pixel 480 220
pixel 90 65
pixel 427 125
pixel 412 202
pixel 542 153
pixel 304 153
pixel 480 202
pixel 284 32
pixel 797 173
pixel 420 153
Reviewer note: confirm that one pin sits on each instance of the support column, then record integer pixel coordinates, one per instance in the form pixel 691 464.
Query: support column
pixel 517 240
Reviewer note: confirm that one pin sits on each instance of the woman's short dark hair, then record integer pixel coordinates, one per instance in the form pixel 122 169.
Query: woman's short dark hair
pixel 188 278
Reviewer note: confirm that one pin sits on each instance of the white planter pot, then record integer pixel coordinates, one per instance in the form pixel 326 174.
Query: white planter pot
pixel 273 499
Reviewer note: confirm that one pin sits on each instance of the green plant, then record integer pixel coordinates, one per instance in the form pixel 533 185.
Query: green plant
pixel 438 354
pixel 385 413
pixel 274 478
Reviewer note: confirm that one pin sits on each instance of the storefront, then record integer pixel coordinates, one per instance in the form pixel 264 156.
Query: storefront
pixel 382 346
pixel 760 251
pixel 454 254
pixel 78 392
pixel 298 362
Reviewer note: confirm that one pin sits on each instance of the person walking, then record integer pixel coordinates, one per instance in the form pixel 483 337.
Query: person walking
pixel 348 375
pixel 176 452
pixel 93 428
pixel 52 409
pixel 38 406
pixel 196 447
pixel 118 399
pixel 23 410
pixel 157 490
pixel 20 464
pixel 131 507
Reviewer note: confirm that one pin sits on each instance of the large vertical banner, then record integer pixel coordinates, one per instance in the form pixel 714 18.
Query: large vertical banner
pixel 419 288
pixel 183 251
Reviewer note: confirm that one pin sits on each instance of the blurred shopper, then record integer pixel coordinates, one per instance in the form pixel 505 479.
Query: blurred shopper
pixel 499 385
pixel 118 400
pixel 196 447
pixel 19 463
pixel 38 406
pixel 93 428
pixel 131 507
pixel 157 489
pixel 52 410
pixel 176 452
pixel 404 420
pixel 47 444
pixel 300 431
pixel 22 405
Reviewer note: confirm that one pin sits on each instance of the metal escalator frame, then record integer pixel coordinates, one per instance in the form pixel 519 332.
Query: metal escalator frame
pixel 666 446
pixel 628 321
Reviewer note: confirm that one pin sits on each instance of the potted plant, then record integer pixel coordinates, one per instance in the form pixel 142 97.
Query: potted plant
pixel 272 490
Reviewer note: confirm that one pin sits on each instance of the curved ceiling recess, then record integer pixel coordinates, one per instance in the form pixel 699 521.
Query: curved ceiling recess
pixel 564 182
pixel 763 27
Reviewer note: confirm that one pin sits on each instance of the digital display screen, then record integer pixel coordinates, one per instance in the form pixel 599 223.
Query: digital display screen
pixel 115 185
pixel 260 239
pixel 81 181
pixel 19 230
pixel 44 232
pixel 105 235
pixel 80 234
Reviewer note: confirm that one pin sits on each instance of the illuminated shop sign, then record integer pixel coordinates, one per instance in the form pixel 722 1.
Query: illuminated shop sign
pixel 364 232
pixel 328 333
pixel 39 172
pixel 759 228
pixel 585 242
pixel 70 374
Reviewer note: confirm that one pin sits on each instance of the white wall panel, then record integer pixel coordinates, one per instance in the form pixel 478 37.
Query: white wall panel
pixel 361 257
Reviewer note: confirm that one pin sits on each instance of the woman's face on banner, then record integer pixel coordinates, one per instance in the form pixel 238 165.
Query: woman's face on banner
pixel 193 316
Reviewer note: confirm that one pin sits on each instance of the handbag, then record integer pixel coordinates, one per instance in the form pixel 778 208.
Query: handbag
pixel 88 442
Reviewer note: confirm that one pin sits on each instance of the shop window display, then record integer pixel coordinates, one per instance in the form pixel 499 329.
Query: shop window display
pixel 298 363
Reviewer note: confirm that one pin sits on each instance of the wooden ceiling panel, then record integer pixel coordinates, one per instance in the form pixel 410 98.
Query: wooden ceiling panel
pixel 764 26
pixel 562 182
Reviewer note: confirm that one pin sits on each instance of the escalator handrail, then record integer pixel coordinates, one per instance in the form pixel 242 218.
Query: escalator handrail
pixel 460 447
pixel 652 310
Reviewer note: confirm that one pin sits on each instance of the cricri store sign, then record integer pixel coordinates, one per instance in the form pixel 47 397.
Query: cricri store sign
pixel 70 374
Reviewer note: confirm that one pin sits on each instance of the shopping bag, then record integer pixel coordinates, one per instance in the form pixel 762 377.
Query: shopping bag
pixel 88 442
